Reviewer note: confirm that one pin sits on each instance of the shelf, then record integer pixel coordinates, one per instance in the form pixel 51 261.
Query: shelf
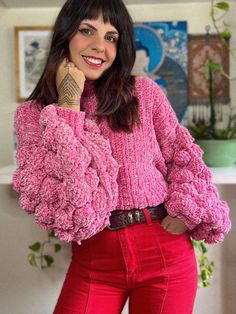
pixel 221 175
pixel 6 174
pixel 224 175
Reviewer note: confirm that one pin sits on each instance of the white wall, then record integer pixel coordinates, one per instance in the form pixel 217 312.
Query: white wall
pixel 24 290
pixel 9 19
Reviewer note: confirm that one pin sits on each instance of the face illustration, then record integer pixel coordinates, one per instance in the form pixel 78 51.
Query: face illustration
pixel 94 47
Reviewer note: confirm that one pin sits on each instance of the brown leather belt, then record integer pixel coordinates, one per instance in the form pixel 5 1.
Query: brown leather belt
pixel 123 218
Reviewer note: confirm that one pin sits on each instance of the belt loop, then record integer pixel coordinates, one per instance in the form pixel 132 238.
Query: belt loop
pixel 147 216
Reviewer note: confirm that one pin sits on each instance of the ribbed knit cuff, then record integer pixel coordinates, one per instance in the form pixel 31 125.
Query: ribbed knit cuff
pixel 74 118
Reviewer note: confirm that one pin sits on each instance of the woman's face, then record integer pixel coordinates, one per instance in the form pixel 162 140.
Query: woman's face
pixel 94 47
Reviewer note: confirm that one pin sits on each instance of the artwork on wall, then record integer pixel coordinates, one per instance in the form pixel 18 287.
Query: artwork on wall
pixel 31 50
pixel 161 54
pixel 202 49
pixel 161 49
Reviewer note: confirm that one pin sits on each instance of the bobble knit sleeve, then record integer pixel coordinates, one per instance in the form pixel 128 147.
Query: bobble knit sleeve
pixel 66 175
pixel 191 195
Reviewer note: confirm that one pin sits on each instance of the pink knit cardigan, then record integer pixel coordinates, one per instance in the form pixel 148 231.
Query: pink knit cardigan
pixel 73 170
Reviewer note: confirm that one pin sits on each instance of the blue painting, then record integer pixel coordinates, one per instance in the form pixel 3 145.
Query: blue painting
pixel 161 54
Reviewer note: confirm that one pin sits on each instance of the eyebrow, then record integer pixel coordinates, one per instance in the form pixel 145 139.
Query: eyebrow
pixel 94 28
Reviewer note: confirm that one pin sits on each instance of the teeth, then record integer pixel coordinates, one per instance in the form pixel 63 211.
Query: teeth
pixel 95 61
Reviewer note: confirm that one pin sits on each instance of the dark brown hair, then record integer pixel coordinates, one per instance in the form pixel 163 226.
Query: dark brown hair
pixel 115 89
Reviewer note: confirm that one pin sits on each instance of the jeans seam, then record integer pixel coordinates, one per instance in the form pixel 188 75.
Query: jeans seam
pixel 164 298
pixel 165 268
pixel 160 248
pixel 90 279
pixel 123 247
pixel 139 264
pixel 88 298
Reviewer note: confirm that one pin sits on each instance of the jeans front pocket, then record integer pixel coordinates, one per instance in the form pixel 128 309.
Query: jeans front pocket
pixel 170 233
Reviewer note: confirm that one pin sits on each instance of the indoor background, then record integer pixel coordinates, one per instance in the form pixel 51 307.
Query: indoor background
pixel 26 290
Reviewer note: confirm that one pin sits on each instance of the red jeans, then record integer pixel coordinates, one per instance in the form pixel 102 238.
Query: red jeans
pixel 155 269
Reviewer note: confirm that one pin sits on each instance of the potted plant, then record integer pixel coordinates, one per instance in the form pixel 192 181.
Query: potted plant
pixel 218 144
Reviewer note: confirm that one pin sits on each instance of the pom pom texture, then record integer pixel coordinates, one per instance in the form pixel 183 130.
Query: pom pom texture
pixel 73 170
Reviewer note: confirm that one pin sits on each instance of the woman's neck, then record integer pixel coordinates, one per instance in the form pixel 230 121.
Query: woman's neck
pixel 89 88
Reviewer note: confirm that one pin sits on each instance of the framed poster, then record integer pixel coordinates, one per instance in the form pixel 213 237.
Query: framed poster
pixel 31 51
pixel 161 54
pixel 202 49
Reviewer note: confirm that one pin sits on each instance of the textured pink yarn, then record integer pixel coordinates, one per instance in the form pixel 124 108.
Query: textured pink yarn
pixel 62 177
pixel 192 197
pixel 73 170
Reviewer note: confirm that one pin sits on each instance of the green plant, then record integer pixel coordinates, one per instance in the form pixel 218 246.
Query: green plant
pixel 37 257
pixel 218 12
pixel 207 128
pixel 205 267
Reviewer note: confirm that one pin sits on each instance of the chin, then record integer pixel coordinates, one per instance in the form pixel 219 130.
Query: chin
pixel 93 77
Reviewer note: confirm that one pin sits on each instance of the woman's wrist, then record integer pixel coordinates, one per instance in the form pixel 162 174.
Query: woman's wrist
pixel 74 106
pixel 71 104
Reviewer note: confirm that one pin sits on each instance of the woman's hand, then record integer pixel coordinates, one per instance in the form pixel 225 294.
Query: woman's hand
pixel 70 85
pixel 173 225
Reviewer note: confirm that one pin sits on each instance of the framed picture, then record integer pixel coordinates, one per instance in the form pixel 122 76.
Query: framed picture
pixel 31 51
pixel 202 49
pixel 161 54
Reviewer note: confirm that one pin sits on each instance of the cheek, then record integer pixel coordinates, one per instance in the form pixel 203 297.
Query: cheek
pixel 112 53
pixel 77 44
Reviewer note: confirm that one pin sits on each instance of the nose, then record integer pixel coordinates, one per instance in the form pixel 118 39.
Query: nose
pixel 98 44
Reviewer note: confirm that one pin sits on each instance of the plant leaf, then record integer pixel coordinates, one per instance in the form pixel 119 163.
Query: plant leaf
pixel 215 66
pixel 32 260
pixel 195 243
pixel 206 284
pixel 203 247
pixel 222 6
pixel 51 234
pixel 204 274
pixel 49 260
pixel 57 247
pixel 35 247
pixel 226 34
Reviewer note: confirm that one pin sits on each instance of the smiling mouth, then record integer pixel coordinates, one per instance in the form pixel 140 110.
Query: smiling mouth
pixel 93 61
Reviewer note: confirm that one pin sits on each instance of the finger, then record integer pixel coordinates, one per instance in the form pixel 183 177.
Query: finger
pixel 67 66
pixel 164 221
pixel 165 225
pixel 64 62
pixel 61 66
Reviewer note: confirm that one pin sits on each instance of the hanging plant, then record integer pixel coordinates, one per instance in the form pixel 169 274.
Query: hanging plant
pixel 205 266
pixel 39 256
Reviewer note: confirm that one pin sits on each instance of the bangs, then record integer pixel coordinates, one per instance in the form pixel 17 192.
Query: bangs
pixel 109 9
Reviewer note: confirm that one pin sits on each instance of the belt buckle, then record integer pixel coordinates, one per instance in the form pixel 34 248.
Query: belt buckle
pixel 133 217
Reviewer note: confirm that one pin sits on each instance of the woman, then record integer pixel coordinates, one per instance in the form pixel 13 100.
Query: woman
pixel 100 152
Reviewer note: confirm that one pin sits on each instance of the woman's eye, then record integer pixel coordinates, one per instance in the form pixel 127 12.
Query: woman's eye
pixel 112 39
pixel 85 31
